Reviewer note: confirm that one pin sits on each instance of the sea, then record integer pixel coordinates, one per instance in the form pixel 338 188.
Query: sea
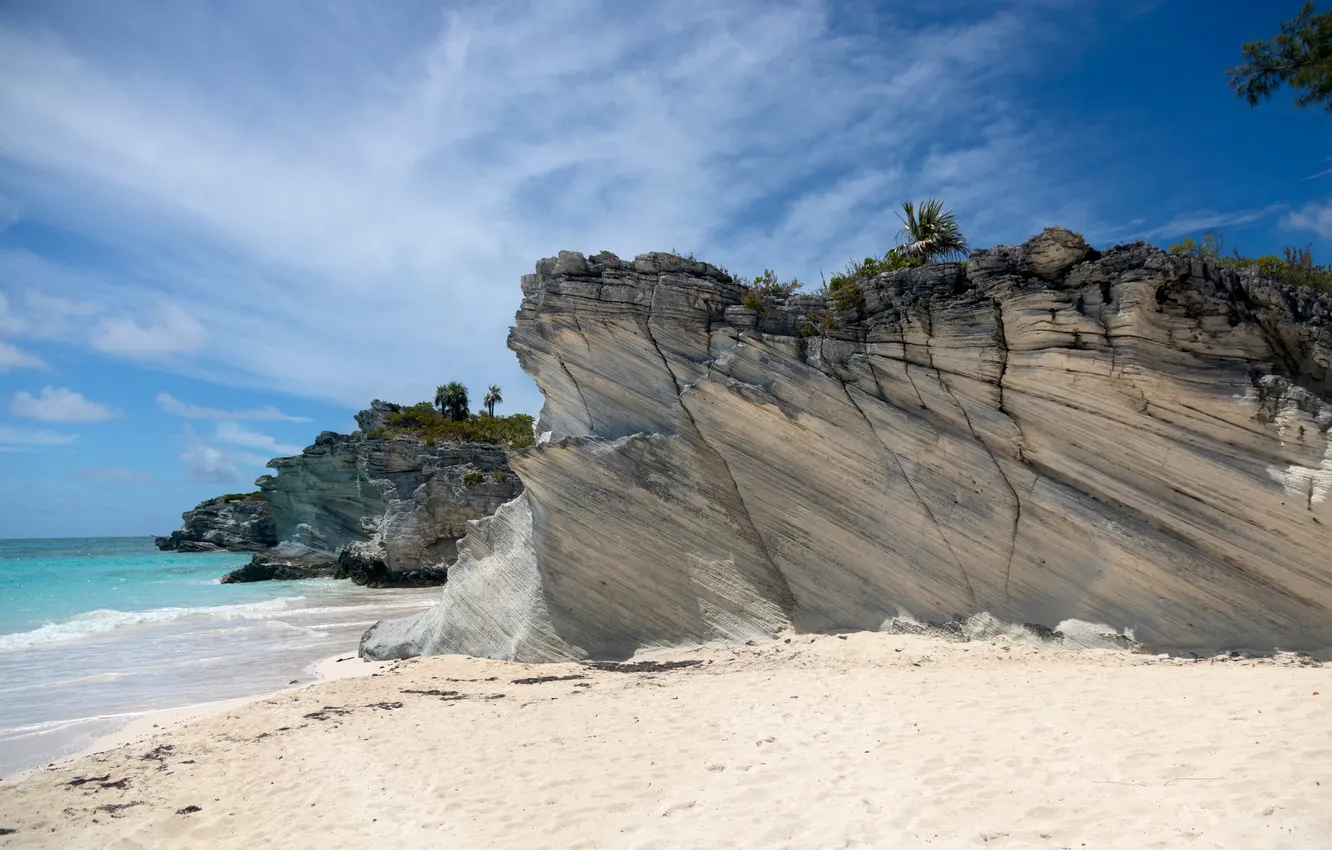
pixel 97 632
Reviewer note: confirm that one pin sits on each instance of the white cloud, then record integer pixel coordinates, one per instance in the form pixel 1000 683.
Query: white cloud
pixel 12 357
pixel 57 404
pixel 11 438
pixel 170 404
pixel 1313 217
pixel 349 220
pixel 239 435
pixel 174 332
pixel 206 462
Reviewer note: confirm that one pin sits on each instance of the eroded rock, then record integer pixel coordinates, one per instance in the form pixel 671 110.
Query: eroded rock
pixel 1130 444
pixel 224 524
pixel 386 511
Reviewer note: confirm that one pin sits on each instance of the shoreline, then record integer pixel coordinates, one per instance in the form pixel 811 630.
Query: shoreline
pixel 862 739
pixel 146 724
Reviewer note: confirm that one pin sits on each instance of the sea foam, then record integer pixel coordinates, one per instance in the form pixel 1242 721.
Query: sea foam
pixel 92 623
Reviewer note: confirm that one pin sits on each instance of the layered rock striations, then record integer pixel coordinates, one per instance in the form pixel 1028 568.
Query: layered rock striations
pixel 224 524
pixel 380 510
pixel 1045 434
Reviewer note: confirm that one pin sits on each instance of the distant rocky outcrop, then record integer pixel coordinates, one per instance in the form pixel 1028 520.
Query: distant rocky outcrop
pixel 1130 441
pixel 235 523
pixel 384 510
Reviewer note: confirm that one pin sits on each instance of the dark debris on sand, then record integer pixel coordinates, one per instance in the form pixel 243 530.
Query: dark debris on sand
pixel 536 680
pixel 641 666
pixel 115 809
pixel 158 754
pixel 327 711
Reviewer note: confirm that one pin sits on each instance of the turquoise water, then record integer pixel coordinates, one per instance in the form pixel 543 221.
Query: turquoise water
pixel 98 631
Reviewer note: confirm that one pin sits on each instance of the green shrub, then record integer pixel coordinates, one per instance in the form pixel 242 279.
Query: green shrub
pixel 499 473
pixel 847 295
pixel 472 478
pixel 424 421
pixel 818 324
pixel 755 293
pixel 1296 268
pixel 856 271
pixel 256 496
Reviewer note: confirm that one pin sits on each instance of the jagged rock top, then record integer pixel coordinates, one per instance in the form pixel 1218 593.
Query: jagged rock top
pixel 1056 258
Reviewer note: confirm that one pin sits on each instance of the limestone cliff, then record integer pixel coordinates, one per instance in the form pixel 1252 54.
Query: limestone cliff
pixel 1046 434
pixel 225 524
pixel 381 510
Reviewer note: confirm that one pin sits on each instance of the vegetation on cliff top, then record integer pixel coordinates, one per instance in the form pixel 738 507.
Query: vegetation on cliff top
pixel 1296 267
pixel 256 496
pixel 423 421
pixel 929 233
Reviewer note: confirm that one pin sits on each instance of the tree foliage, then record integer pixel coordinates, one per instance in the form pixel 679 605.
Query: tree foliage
pixel 930 233
pixel 1300 56
pixel 494 396
pixel 451 399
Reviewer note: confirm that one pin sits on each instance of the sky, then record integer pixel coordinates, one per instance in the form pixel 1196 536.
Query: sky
pixel 226 226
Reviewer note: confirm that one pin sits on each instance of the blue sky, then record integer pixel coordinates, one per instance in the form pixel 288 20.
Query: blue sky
pixel 224 227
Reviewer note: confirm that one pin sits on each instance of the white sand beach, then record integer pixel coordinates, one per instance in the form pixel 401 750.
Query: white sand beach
pixel 866 740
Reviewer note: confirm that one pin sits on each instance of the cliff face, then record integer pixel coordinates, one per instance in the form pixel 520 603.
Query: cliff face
pixel 396 501
pixel 217 525
pixel 388 511
pixel 1135 441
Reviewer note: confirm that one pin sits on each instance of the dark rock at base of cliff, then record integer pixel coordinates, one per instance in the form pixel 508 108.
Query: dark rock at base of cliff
pixel 235 523
pixel 363 563
pixel 263 568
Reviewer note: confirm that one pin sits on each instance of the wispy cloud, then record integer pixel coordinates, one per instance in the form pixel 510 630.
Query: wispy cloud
pixel 58 404
pixel 1316 218
pixel 352 222
pixel 174 406
pixel 1194 222
pixel 24 438
pixel 238 435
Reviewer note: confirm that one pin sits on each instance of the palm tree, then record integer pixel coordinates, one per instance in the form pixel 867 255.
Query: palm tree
pixel 932 233
pixel 451 399
pixel 493 397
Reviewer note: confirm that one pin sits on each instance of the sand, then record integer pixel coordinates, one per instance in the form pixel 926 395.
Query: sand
pixel 870 740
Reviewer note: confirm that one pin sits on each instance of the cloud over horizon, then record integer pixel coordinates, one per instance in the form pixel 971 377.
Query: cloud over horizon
pixel 58 404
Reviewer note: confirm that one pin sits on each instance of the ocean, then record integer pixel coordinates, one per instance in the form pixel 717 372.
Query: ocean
pixel 96 632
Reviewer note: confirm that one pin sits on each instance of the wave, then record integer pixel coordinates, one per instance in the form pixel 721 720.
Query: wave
pixel 97 622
